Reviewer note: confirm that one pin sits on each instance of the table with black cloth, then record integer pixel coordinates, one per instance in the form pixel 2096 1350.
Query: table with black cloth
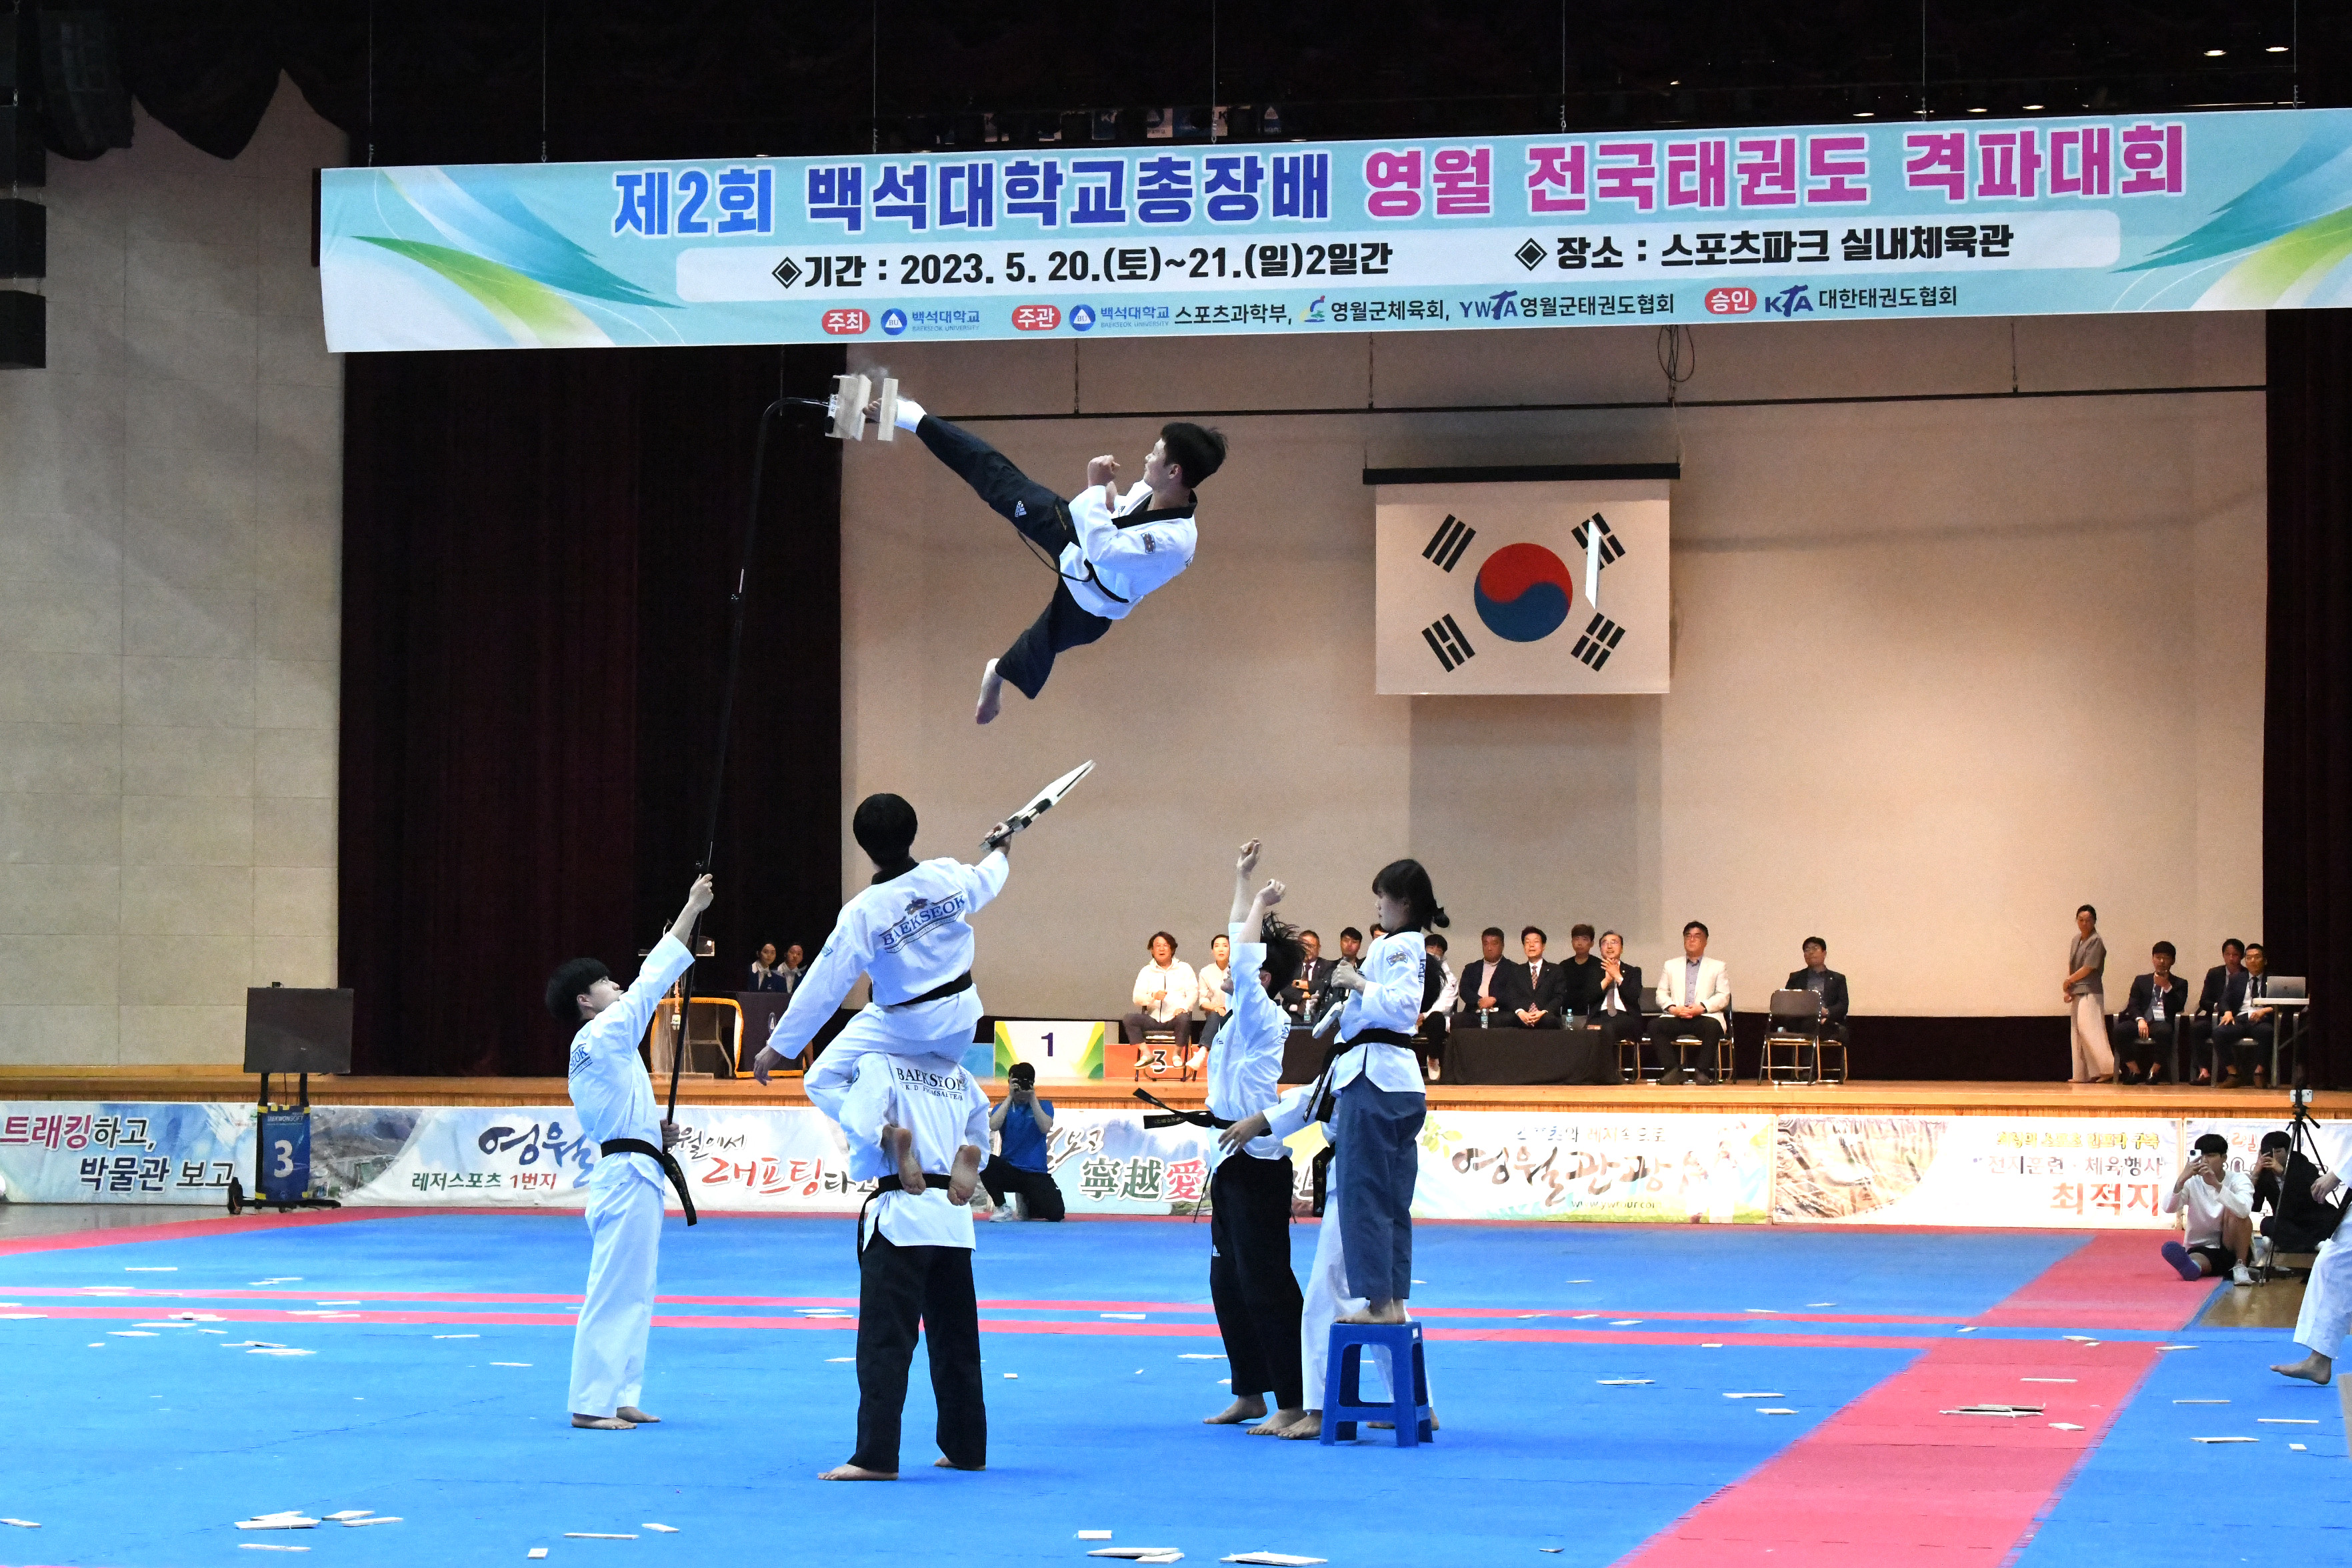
pixel 1528 1056
pixel 1488 1056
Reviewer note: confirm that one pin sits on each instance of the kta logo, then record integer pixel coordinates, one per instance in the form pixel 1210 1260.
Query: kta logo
pixel 1523 593
pixel 894 321
pixel 846 324
pixel 1790 301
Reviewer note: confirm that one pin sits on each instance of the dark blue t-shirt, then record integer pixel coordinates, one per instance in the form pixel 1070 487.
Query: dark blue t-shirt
pixel 1025 1146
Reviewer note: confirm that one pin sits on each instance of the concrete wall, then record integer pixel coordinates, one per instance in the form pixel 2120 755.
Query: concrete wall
pixel 170 523
pixel 2028 634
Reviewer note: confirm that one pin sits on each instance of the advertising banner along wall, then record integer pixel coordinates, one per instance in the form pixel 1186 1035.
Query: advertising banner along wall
pixel 2062 215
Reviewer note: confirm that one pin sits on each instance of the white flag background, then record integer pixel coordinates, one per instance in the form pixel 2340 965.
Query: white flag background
pixel 1480 588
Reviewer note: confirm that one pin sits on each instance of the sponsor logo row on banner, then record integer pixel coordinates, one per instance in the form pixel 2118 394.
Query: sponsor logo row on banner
pixel 1957 1170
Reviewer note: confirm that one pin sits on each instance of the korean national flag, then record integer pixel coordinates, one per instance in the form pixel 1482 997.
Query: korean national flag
pixel 1489 588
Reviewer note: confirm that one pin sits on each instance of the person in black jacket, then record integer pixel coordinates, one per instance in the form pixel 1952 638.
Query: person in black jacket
pixel 1617 1010
pixel 2223 996
pixel 1537 990
pixel 1304 997
pixel 1829 986
pixel 2282 1178
pixel 2148 1026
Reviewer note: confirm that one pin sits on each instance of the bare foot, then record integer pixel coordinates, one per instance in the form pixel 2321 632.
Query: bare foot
pixel 991 695
pixel 1388 1312
pixel 1307 1428
pixel 1278 1424
pixel 630 1413
pixel 602 1423
pixel 963 1176
pixel 1248 1408
pixel 944 1463
pixel 853 1473
pixel 2313 1368
pixel 899 1143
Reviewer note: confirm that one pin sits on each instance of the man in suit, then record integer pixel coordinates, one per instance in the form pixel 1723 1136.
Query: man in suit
pixel 2225 993
pixel 1313 986
pixel 1617 1007
pixel 1694 1000
pixel 1827 987
pixel 2247 1033
pixel 1537 989
pixel 1482 982
pixel 2148 1024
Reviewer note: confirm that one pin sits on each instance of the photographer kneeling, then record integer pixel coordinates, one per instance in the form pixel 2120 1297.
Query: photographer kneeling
pixel 1022 1123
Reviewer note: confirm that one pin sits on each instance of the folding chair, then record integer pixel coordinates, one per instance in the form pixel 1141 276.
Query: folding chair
pixel 1793 1023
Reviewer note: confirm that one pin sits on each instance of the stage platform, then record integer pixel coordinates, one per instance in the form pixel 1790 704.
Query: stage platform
pixel 1881 1098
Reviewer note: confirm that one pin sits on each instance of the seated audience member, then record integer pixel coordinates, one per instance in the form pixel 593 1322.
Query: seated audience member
pixel 1313 987
pixel 2225 993
pixel 2327 1311
pixel 1216 978
pixel 1352 945
pixel 1583 972
pixel 1617 1011
pixel 1437 997
pixel 1694 1000
pixel 1827 987
pixel 1022 1123
pixel 2247 1035
pixel 1537 988
pixel 1165 990
pixel 2284 1177
pixel 795 965
pixel 767 975
pixel 1378 932
pixel 2146 1028
pixel 2217 1205
pixel 1482 982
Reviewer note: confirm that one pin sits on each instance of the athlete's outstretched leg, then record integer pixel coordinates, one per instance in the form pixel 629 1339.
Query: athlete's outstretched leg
pixel 1064 625
pixel 1021 500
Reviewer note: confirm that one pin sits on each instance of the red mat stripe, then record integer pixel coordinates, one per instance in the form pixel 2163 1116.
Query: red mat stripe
pixel 2115 1280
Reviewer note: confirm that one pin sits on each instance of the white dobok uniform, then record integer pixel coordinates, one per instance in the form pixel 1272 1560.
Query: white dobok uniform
pixel 911 935
pixel 2327 1314
pixel 615 1098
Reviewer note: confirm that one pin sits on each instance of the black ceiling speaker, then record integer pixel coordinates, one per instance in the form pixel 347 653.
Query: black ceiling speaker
pixel 84 100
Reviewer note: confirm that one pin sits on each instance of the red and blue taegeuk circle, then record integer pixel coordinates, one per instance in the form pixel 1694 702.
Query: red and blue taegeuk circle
pixel 1523 593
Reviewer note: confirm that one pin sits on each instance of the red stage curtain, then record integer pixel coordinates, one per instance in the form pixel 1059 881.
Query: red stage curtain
pixel 537 554
pixel 2307 719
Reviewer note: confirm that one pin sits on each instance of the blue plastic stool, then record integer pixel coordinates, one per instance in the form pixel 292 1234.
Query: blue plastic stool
pixel 1345 1368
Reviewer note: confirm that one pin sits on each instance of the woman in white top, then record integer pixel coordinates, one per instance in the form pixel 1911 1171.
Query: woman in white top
pixel 1165 990
pixel 1217 987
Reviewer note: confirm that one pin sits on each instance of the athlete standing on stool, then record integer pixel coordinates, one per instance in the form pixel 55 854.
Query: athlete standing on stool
pixel 615 1098
pixel 1109 549
pixel 1250 1281
pixel 1377 1088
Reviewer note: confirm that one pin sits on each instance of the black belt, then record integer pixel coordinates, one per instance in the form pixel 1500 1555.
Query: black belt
pixel 891 1183
pixel 1174 1116
pixel 949 988
pixel 677 1176
pixel 1376 1037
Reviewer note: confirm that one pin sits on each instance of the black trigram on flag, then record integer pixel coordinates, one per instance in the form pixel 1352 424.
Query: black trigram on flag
pixel 1600 639
pixel 1611 547
pixel 1445 640
pixel 1446 545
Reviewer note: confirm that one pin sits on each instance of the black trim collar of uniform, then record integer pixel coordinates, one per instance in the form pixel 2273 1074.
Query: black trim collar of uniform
pixel 1158 515
pixel 892 873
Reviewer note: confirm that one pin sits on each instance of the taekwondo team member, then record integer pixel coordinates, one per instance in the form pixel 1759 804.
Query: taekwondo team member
pixel 615 1098
pixel 1326 1278
pixel 1256 1294
pixel 1110 550
pixel 908 931
pixel 919 1124
pixel 2326 1313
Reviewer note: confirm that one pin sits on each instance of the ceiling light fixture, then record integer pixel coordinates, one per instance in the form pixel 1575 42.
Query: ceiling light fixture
pixel 1865 114
pixel 2032 106
pixel 1976 111
pixel 2276 49
pixel 2215 54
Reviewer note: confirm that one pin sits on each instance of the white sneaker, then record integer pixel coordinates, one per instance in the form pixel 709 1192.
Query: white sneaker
pixel 2239 1275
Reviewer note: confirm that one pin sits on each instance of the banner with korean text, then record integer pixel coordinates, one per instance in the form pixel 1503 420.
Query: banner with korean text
pixel 2020 1171
pixel 2059 216
pixel 1537 587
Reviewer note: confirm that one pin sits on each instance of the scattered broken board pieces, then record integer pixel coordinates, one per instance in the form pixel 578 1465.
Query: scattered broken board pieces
pixel 2064 1426
pixel 1773 1395
pixel 1274 1558
pixel 2011 1411
pixel 22 1524
pixel 1623 1382
pixel 267 1546
pixel 536 1552
pixel 1094 1535
pixel 292 1519
pixel 2286 1421
pixel 660 1529
pixel 595 1535
pixel 2225 1439
pixel 1140 1553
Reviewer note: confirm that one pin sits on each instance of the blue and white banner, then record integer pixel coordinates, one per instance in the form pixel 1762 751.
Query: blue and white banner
pixel 1524 588
pixel 2062 216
